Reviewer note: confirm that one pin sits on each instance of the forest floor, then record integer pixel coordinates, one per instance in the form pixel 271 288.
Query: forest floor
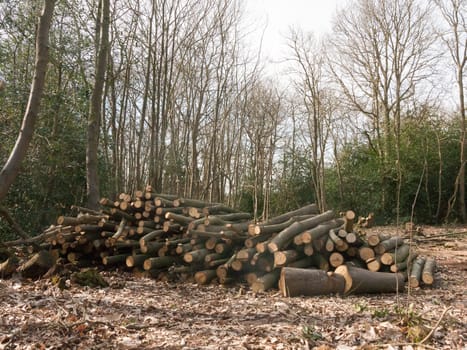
pixel 136 312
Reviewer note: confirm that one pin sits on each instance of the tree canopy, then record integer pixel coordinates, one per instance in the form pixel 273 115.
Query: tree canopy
pixel 167 93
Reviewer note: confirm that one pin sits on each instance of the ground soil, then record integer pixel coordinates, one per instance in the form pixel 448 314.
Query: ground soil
pixel 136 312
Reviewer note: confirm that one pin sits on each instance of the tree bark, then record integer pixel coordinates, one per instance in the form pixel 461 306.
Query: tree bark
pixel 416 272
pixel 205 276
pixel 309 282
pixel 388 245
pixel 428 271
pixel 359 280
pixel 399 255
pixel 283 237
pixel 266 281
pixel 95 108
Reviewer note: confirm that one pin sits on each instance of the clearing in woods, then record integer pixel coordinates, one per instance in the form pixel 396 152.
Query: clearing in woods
pixel 135 312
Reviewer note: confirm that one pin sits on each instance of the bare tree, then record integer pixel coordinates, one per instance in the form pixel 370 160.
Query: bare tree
pixel 92 148
pixel 12 167
pixel 310 86
pixel 382 57
pixel 454 13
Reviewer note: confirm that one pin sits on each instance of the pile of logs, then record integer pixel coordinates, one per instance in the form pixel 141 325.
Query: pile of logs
pixel 303 252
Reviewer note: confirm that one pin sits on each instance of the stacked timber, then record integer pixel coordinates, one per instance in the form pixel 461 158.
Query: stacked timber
pixel 167 237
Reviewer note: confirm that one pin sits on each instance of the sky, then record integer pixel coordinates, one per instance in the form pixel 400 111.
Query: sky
pixel 275 17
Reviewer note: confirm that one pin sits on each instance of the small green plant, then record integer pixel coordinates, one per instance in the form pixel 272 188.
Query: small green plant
pixel 361 307
pixel 380 313
pixel 412 321
pixel 309 332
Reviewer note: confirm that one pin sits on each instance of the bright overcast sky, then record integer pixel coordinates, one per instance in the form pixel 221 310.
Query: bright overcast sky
pixel 275 17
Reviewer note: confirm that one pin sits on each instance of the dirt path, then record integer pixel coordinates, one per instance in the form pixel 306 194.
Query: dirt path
pixel 141 313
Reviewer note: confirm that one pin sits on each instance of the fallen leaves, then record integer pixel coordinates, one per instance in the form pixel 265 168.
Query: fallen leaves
pixel 140 313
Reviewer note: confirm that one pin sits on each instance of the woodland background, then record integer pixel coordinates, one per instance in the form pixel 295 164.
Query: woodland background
pixel 370 117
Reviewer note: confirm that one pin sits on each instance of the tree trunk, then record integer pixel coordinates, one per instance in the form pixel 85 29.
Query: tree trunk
pixel 12 166
pixel 308 282
pixel 95 108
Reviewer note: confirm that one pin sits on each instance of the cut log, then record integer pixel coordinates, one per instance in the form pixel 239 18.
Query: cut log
pixel 268 228
pixel 340 244
pixel 374 264
pixel 238 265
pixel 352 252
pixel 366 253
pixel 400 254
pixel 9 266
pixel 151 247
pixel 222 248
pixel 37 265
pixel 308 249
pixel 314 233
pixel 358 281
pixel 159 262
pixel 352 238
pixel 428 271
pixel 329 245
pixel 336 259
pixel 217 209
pixel 388 245
pixel 403 265
pixel 366 221
pixel 239 227
pixel 163 202
pixel 285 257
pixel 309 282
pixel 416 272
pixel 231 217
pixel 308 209
pixel 251 242
pixel 114 259
pixel 306 261
pixel 263 262
pixel 320 261
pixel 245 254
pixel 151 236
pixel 267 281
pixel 213 256
pixel 196 256
pixel 222 271
pixel 136 260
pixel 211 242
pixel 374 238
pixel 82 219
pixel 178 218
pixel 349 218
pixel 188 202
pixel 205 276
pixel 216 263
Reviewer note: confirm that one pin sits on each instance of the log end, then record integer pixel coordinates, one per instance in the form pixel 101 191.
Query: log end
pixel 343 271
